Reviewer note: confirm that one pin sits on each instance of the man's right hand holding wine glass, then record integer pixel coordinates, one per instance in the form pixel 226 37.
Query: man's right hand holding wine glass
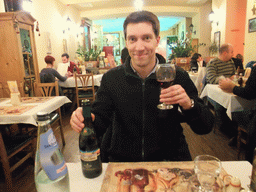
pixel 175 94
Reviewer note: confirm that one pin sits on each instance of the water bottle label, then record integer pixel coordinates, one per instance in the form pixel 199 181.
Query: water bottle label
pixel 90 155
pixel 50 156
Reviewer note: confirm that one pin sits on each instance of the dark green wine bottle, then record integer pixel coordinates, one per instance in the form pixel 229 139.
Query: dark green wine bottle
pixel 88 145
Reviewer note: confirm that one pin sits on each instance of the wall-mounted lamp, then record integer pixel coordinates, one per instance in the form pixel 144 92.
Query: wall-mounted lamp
pixel 69 23
pixel 213 18
pixel 191 27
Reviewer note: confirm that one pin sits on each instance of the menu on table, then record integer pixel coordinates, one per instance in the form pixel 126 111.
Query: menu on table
pixel 150 176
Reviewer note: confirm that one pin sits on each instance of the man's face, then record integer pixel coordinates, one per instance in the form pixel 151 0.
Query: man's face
pixel 141 43
pixel 230 53
pixel 64 59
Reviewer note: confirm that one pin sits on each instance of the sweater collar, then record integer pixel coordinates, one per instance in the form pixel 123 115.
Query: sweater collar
pixel 129 70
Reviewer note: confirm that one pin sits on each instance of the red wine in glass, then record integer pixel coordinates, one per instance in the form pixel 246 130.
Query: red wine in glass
pixel 165 75
pixel 165 83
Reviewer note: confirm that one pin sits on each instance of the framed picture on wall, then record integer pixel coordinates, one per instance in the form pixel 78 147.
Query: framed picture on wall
pixel 217 39
pixel 252 25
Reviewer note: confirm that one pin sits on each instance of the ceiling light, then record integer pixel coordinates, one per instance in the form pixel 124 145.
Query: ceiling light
pixel 138 5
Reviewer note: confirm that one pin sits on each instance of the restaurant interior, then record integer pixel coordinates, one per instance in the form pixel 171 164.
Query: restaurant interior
pixel 32 29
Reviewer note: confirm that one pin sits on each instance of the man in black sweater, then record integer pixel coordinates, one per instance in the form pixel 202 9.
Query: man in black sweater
pixel 125 110
pixel 247 92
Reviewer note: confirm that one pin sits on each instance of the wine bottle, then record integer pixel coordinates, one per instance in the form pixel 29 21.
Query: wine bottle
pixel 88 145
pixel 51 173
pixel 240 80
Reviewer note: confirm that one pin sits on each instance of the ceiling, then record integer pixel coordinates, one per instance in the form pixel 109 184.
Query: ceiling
pixel 92 6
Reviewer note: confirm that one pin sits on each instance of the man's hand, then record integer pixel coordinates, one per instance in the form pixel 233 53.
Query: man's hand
pixel 77 119
pixel 227 85
pixel 176 95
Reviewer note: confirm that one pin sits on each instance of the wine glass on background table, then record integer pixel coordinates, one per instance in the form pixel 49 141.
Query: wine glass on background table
pixel 165 75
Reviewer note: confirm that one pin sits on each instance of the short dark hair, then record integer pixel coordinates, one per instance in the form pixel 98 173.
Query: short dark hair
pixel 49 59
pixel 124 54
pixel 196 56
pixel 142 16
pixel 65 55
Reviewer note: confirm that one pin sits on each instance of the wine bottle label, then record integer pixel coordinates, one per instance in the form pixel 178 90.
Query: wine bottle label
pixel 50 157
pixel 90 155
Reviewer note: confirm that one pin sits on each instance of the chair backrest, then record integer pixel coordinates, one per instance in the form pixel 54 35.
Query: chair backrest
pixel 46 89
pixel 84 86
pixel 84 79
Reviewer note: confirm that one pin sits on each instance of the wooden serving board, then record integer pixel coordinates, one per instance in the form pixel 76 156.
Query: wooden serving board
pixel 149 177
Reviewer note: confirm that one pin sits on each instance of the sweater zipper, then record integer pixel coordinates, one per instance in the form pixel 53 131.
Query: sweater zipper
pixel 143 121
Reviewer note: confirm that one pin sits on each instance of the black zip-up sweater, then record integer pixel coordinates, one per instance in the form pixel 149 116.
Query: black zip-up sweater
pixel 135 129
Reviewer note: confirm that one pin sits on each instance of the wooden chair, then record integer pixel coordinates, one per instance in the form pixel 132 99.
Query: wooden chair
pixel 84 91
pixel 241 138
pixel 11 147
pixel 17 142
pixel 48 90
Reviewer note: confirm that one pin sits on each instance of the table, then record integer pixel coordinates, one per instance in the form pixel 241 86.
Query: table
pixel 231 102
pixel 70 82
pixel 193 76
pixel 26 112
pixel 240 169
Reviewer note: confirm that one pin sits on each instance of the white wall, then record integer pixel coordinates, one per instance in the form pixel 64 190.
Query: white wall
pixel 203 28
pixel 2 9
pixel 250 38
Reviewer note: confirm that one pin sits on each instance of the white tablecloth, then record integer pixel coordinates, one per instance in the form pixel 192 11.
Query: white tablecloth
pixel 193 76
pixel 240 169
pixel 70 82
pixel 228 100
pixel 29 117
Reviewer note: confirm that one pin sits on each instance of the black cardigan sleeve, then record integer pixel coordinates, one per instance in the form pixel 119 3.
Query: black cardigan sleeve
pixel 249 91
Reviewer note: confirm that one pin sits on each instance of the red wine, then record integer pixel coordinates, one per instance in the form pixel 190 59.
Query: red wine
pixel 165 83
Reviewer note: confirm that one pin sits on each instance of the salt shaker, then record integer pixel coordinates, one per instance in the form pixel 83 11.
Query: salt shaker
pixel 235 185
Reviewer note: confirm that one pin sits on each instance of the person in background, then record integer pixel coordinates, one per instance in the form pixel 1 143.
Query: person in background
pixel 67 65
pixel 125 111
pixel 250 64
pixel 222 65
pixel 48 74
pixel 217 68
pixel 238 61
pixel 247 92
pixel 124 54
pixel 196 61
pixel 240 56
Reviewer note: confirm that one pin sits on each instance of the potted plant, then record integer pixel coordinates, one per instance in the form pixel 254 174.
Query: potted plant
pixel 89 56
pixel 182 52
pixel 213 49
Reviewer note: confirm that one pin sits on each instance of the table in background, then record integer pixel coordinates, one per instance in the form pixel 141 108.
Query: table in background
pixel 70 82
pixel 26 112
pixel 231 102
pixel 240 169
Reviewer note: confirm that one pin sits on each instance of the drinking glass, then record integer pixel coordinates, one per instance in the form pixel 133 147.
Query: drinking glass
pixel 165 74
pixel 207 169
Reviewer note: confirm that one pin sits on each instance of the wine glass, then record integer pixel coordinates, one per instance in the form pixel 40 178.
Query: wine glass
pixel 207 169
pixel 165 74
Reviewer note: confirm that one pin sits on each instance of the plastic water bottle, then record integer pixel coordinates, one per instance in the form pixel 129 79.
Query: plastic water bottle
pixel 51 173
